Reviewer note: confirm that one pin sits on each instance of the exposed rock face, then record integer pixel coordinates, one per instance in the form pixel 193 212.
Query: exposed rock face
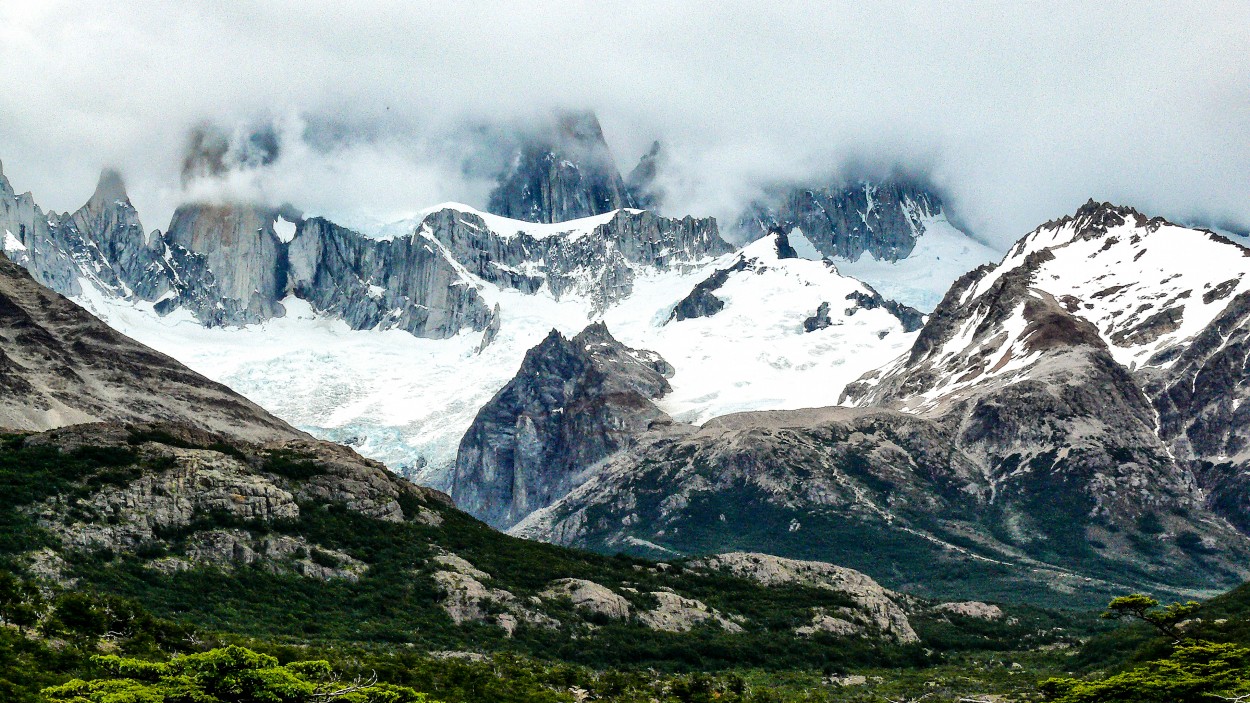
pixel 641 181
pixel 467 599
pixel 172 489
pixel 846 221
pixel 676 613
pixel 280 554
pixel 911 318
pixel 775 252
pixel 822 622
pixel 876 607
pixel 361 485
pixel 407 283
pixel 563 174
pixel 61 366
pixel 229 265
pixel 1182 330
pixel 820 320
pixel 972 609
pixel 572 403
pixel 103 242
pixel 1201 401
pixel 245 256
pixel 200 483
pixel 590 597
pixel 1016 437
pixel 702 300
pixel 896 496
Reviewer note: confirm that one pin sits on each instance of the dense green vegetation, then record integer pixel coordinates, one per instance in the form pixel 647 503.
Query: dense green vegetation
pixel 396 601
pixel 232 674
pixel 1183 666
pixel 123 632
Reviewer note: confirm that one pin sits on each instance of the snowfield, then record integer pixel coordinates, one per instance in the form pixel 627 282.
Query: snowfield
pixel 942 254
pixel 407 401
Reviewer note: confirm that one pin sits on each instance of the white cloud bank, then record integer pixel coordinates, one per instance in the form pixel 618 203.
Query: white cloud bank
pixel 1021 111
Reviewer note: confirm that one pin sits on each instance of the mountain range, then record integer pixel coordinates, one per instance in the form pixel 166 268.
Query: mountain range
pixel 1063 424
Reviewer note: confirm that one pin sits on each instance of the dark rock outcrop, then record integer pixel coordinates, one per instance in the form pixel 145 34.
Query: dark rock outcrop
pixel 911 318
pixel 702 300
pixel 820 320
pixel 572 403
pixel 846 221
pixel 1201 400
pixel 564 173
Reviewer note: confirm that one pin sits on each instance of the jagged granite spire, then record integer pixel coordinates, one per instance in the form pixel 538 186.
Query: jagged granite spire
pixel 572 403
pixel 110 187
pixel 563 172
pixel 641 180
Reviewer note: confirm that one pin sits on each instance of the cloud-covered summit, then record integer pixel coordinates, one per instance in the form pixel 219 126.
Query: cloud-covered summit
pixel 1019 113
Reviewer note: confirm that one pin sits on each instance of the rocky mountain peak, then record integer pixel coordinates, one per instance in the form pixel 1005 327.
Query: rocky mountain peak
pixel 641 180
pixel 1095 219
pixel 572 403
pixel 563 172
pixel 110 188
pixel 849 219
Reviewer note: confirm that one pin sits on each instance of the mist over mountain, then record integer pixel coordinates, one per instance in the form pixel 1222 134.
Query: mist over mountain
pixel 387 109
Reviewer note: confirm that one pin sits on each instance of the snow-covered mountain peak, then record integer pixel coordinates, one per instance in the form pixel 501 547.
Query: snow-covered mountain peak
pixel 1143 285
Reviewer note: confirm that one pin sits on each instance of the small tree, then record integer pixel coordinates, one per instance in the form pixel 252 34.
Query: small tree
pixel 1146 609
pixel 1204 672
pixel 77 617
pixel 21 603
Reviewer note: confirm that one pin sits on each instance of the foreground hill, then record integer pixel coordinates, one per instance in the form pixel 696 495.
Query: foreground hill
pixel 59 366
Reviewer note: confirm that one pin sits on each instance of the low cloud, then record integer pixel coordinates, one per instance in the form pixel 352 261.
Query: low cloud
pixel 1019 112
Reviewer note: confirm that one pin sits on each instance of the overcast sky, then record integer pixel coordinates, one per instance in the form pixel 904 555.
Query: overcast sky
pixel 1020 111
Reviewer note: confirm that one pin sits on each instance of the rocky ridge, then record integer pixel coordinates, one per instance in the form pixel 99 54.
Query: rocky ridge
pixel 234 264
pixel 572 403
pixel 875 607
pixel 201 500
pixel 1172 331
pixel 61 366
pixel 883 219
pixel 564 171
pixel 1021 387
